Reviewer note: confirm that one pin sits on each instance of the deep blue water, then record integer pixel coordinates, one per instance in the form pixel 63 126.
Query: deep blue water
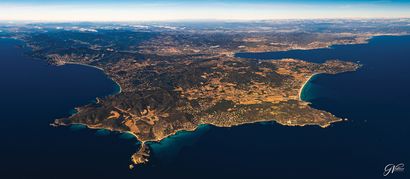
pixel 374 99
pixel 32 95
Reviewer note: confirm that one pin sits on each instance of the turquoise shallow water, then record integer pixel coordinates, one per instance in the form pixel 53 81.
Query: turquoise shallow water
pixel 307 90
pixel 126 136
pixel 168 149
pixel 76 127
pixel 102 132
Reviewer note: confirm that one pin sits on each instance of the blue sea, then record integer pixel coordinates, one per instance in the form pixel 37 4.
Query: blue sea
pixel 375 99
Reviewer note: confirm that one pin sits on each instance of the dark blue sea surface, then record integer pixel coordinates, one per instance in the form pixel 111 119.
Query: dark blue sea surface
pixel 375 99
pixel 32 95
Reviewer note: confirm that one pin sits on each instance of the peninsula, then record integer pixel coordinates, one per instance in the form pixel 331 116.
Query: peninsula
pixel 177 80
pixel 221 91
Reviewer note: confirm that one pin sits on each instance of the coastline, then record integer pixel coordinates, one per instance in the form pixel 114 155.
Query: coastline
pixel 176 133
pixel 119 87
pixel 304 84
pixel 97 128
pixel 221 147
pixel 99 68
pixel 365 40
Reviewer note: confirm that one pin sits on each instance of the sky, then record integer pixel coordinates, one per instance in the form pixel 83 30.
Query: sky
pixel 174 10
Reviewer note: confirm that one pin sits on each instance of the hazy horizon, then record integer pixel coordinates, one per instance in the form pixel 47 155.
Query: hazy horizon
pixel 183 10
